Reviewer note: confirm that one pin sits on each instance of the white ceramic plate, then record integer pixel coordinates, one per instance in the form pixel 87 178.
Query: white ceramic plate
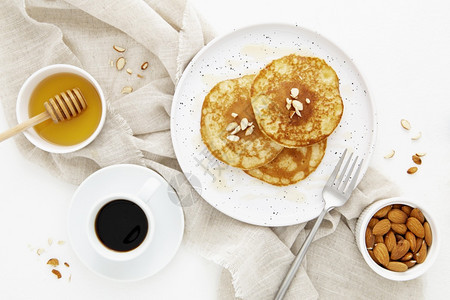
pixel 167 213
pixel 230 190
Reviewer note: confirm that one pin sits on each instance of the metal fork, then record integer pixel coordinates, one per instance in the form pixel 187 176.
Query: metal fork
pixel 336 192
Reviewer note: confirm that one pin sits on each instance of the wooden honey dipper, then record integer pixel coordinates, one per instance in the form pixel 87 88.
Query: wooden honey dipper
pixel 61 107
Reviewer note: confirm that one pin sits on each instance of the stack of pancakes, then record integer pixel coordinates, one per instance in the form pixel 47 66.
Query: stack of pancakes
pixel 274 125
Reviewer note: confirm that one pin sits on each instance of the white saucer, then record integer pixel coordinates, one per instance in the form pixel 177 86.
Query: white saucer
pixel 167 212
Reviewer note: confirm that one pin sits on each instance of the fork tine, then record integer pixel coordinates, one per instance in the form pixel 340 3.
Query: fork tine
pixel 344 170
pixel 352 184
pixel 336 169
pixel 349 174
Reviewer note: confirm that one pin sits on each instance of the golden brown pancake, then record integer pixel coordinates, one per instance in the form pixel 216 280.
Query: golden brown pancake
pixel 315 81
pixel 241 149
pixel 291 165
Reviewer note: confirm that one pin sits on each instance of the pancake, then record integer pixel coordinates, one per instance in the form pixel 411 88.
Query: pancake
pixel 291 165
pixel 242 149
pixel 319 102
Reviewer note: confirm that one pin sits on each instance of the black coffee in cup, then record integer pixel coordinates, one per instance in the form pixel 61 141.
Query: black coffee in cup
pixel 121 225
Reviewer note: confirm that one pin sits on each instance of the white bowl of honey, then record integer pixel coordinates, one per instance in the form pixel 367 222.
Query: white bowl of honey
pixel 70 135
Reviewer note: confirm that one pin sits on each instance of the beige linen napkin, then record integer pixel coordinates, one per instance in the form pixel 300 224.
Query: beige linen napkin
pixel 167 34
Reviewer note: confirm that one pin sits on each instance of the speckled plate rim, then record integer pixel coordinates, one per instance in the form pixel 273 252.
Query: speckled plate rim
pixel 256 218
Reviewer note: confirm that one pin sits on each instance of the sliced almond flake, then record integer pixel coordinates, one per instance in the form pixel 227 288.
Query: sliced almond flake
pixel 234 115
pixel 57 273
pixel 244 123
pixel 249 130
pixel 129 71
pixel 236 130
pixel 140 76
pixel 294 93
pixel 405 124
pixel 297 105
pixel 291 114
pixel 288 103
pixel 120 63
pixel 231 126
pixel 307 101
pixel 54 262
pixel 390 154
pixel 298 112
pixel 111 63
pixel 127 89
pixel 119 49
pixel 417 136
pixel 144 65
pixel 233 138
pixel 420 154
pixel 250 123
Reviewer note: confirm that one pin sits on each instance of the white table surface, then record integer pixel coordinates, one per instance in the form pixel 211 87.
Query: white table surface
pixel 403 50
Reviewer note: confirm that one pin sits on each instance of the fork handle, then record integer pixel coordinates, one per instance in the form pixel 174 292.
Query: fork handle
pixel 298 259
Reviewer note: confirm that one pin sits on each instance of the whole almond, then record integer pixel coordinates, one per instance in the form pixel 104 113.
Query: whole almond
pixel 412 170
pixel 397 266
pixel 379 239
pixel 415 227
pixel 370 238
pixel 382 212
pixel 418 244
pixel 399 237
pixel 382 227
pixel 421 255
pixel 373 256
pixel 381 253
pixel 399 250
pixel 417 213
pixel 416 159
pixel 406 209
pixel 407 256
pixel 397 216
pixel 398 206
pixel 372 222
pixel 411 238
pixel 428 235
pixel 389 240
pixel 399 228
pixel 410 263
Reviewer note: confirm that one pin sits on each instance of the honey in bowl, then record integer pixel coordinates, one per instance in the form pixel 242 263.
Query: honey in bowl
pixel 75 130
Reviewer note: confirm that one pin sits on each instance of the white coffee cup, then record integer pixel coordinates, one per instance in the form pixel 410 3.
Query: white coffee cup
pixel 141 198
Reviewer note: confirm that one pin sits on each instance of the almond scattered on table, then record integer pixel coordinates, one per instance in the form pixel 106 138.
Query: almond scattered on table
pixel 398 237
pixel 120 63
pixel 412 170
pixel 127 90
pixel 57 273
pixel 390 154
pixel 119 49
pixel 53 262
pixel 144 66
pixel 405 124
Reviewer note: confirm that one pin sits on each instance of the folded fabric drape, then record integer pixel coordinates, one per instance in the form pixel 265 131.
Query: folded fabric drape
pixel 167 34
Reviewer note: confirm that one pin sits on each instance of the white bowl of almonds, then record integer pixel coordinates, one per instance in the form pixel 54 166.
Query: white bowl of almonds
pixel 397 239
